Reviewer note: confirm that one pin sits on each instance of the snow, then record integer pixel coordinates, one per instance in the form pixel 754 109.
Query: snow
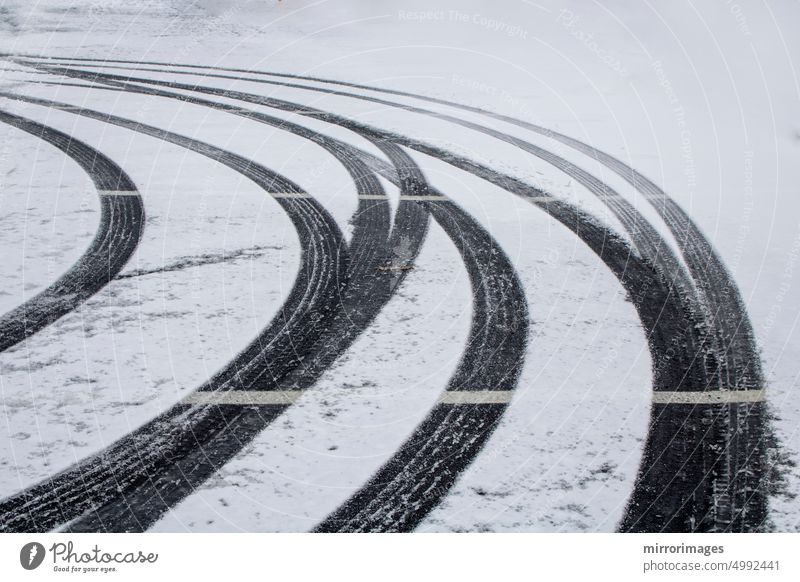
pixel 700 97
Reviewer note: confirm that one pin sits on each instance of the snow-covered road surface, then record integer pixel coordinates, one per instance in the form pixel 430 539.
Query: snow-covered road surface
pixel 507 350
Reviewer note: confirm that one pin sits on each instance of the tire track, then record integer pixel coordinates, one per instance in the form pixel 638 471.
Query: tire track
pixel 490 351
pixel 122 219
pixel 359 308
pixel 718 476
pixel 704 468
pixel 723 307
pixel 704 479
pixel 674 352
pixel 176 435
pixel 725 304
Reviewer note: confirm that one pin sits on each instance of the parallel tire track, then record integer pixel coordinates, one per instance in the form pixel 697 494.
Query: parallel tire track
pixel 122 219
pixel 368 290
pixel 703 465
pixel 358 307
pixel 484 343
pixel 712 279
pixel 674 351
pixel 711 276
pixel 182 434
pixel 715 473
pixel 664 312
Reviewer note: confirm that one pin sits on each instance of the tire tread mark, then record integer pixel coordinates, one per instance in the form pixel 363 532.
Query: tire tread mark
pixel 306 313
pixel 120 229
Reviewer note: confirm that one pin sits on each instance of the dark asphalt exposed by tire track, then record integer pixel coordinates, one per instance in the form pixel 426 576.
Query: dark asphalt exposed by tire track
pixel 664 311
pixel 183 476
pixel 367 292
pixel 717 480
pixel 492 346
pixel 725 305
pixel 704 467
pixel 121 225
pixel 714 479
pixel 176 436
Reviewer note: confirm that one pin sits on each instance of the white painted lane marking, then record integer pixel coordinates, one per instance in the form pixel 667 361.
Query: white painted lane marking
pixel 276 397
pixel 257 397
pixel 118 192
pixel 645 196
pixel 244 397
pixel 365 196
pixel 424 198
pixel 709 397
pixel 290 195
pixel 476 397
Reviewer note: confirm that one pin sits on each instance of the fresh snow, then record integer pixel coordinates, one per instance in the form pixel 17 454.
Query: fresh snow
pixel 700 97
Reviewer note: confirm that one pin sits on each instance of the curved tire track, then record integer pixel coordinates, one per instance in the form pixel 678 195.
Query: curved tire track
pixel 724 309
pixel 704 466
pixel 122 219
pixel 674 352
pixel 359 307
pixel 712 278
pixel 662 309
pixel 492 351
pixel 687 466
pixel 177 435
